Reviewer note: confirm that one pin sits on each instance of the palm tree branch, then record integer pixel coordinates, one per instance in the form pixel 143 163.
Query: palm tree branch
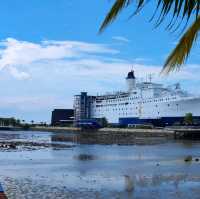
pixel 179 8
pixel 182 50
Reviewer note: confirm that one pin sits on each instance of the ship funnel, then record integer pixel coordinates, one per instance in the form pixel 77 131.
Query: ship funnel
pixel 130 81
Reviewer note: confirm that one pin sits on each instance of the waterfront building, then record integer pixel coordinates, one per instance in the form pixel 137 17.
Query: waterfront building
pixel 82 106
pixel 142 103
pixel 62 117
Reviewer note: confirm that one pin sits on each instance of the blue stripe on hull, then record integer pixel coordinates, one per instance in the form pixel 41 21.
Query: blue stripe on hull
pixel 164 121
pixel 1 188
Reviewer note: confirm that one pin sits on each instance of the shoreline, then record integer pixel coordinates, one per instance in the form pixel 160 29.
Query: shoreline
pixel 137 132
pixel 109 136
pixel 120 136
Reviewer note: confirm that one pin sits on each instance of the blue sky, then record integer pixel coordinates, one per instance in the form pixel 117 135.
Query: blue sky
pixel 51 50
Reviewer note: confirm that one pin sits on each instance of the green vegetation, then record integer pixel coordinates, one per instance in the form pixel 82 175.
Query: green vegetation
pixel 9 122
pixel 178 12
pixel 19 123
pixel 188 158
pixel 103 122
pixel 188 120
pixel 26 126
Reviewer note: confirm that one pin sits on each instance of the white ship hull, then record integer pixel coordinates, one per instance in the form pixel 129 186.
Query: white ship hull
pixel 177 108
pixel 145 110
pixel 143 103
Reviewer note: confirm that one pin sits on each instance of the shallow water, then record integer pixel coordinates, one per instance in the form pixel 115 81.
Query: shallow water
pixel 98 171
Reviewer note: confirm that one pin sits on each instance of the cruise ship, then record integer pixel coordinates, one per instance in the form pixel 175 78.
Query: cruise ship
pixel 142 103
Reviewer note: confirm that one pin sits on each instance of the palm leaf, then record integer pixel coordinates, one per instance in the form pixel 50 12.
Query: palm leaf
pixel 178 9
pixel 182 50
pixel 115 10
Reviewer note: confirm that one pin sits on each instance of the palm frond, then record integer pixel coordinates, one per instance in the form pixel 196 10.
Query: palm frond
pixel 178 9
pixel 115 10
pixel 182 50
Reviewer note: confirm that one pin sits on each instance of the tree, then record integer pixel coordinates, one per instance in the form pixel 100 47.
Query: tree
pixel 18 122
pixel 180 11
pixel 12 121
pixel 188 119
pixel 103 122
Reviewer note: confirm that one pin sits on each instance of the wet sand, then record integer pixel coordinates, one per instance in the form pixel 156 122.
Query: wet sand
pixel 44 167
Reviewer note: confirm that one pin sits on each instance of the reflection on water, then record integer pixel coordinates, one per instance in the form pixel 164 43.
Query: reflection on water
pixel 129 183
pixel 100 171
pixel 85 157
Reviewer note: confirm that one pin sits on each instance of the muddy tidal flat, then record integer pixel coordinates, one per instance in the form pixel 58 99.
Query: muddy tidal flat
pixel 38 165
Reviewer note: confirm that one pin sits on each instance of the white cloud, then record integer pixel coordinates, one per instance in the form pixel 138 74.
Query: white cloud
pixel 17 74
pixel 16 53
pixel 21 102
pixel 21 57
pixel 121 39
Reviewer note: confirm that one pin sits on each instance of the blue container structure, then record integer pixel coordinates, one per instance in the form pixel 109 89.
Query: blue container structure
pixel 88 124
pixel 160 122
pixel 2 193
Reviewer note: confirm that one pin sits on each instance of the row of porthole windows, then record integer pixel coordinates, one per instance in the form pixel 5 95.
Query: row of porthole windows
pixel 115 109
pixel 103 105
pixel 124 108
pixel 130 98
pixel 111 105
pixel 167 105
pixel 120 104
pixel 127 108
pixel 158 100
pixel 123 113
pixel 147 101
pixel 119 99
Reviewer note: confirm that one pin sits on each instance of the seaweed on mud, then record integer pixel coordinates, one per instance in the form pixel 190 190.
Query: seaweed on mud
pixel 21 145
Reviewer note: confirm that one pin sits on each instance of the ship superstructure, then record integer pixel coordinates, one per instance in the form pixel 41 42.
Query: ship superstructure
pixel 144 102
